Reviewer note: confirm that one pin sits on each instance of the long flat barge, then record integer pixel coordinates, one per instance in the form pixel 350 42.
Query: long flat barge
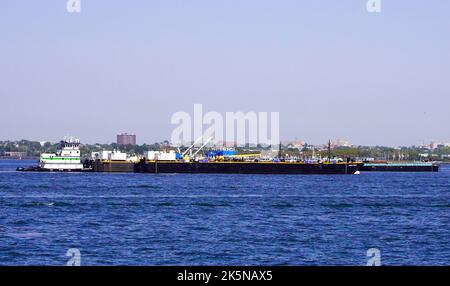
pixel 241 167
pixel 231 167
pixel 400 167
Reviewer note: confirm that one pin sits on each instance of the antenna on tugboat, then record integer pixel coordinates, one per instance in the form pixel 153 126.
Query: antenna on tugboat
pixel 329 150
pixel 279 151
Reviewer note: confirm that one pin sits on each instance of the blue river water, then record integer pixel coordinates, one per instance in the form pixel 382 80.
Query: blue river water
pixel 181 219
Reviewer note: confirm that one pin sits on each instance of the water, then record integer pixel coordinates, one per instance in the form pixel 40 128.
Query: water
pixel 148 219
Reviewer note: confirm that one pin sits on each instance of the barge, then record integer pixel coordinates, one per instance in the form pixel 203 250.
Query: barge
pixel 113 166
pixel 192 167
pixel 244 167
pixel 400 167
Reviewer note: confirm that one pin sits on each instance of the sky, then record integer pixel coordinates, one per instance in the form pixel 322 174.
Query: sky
pixel 330 68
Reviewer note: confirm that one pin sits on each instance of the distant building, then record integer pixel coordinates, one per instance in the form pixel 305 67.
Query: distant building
pixel 340 143
pixel 434 145
pixel 298 144
pixel 16 154
pixel 125 139
pixel 438 145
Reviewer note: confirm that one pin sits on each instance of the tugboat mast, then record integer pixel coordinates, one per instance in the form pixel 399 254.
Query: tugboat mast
pixel 329 150
pixel 279 151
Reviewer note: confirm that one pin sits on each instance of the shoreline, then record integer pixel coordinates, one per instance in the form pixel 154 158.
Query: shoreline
pixel 19 158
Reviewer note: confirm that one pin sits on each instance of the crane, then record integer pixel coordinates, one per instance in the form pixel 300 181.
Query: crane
pixel 206 142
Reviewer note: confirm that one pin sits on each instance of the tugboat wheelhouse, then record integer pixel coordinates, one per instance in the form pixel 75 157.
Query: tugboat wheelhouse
pixel 68 158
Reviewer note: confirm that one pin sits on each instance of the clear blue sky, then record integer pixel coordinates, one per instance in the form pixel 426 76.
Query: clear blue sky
pixel 329 67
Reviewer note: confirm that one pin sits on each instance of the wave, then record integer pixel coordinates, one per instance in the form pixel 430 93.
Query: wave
pixel 282 205
pixel 166 204
pixel 211 205
pixel 45 204
pixel 337 206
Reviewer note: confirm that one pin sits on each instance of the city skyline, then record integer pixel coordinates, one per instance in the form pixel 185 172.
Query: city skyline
pixel 331 70
pixel 335 142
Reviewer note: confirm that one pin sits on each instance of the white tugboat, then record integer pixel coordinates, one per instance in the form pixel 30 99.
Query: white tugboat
pixel 68 158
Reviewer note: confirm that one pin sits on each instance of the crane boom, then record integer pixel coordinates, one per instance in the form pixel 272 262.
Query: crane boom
pixel 190 147
pixel 206 142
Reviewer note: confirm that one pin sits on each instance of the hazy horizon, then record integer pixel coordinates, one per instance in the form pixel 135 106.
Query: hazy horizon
pixel 330 68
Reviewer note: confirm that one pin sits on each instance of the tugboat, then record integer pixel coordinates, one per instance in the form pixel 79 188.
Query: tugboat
pixel 66 159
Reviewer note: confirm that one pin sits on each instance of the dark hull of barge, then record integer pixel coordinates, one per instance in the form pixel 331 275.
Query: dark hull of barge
pixel 400 167
pixel 245 168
